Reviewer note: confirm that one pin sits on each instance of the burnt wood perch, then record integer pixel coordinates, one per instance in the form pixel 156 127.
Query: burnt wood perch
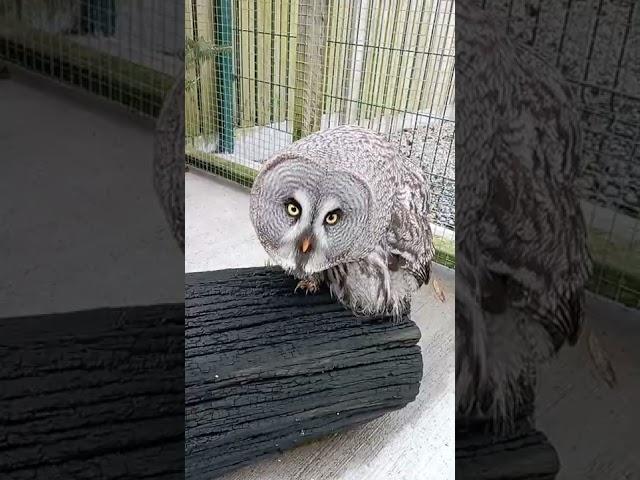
pixel 523 454
pixel 267 369
pixel 93 394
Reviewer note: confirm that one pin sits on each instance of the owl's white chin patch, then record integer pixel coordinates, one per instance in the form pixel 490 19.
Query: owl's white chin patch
pixel 286 263
pixel 315 264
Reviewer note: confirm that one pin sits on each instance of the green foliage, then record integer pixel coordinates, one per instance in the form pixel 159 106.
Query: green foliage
pixel 198 51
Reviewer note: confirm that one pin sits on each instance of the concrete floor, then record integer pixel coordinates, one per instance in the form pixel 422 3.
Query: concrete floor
pixel 80 225
pixel 413 443
pixel 595 428
pixel 218 231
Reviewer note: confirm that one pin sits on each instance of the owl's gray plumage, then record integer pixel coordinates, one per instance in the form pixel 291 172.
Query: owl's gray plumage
pixel 168 160
pixel 381 248
pixel 521 251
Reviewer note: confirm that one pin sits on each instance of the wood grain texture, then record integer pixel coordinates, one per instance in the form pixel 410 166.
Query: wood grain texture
pixel 267 369
pixel 93 394
pixel 524 454
pixel 412 443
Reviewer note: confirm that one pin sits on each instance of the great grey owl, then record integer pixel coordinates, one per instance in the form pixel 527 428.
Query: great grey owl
pixel 521 251
pixel 168 160
pixel 343 207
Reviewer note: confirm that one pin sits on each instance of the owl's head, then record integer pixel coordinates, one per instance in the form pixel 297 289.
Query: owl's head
pixel 311 215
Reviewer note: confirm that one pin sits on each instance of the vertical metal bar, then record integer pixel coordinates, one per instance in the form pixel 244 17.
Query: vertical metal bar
pixel 224 73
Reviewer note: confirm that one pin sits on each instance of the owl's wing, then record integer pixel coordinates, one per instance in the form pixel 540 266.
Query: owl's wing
pixel 531 238
pixel 169 160
pixel 409 238
pixel 532 255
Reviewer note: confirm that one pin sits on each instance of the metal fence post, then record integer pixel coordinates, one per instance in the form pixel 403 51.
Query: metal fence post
pixel 224 76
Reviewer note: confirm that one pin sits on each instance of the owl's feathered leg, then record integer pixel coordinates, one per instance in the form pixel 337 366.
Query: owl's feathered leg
pixel 310 284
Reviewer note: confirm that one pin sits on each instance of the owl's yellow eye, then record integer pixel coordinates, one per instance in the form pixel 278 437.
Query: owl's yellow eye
pixel 332 218
pixel 293 210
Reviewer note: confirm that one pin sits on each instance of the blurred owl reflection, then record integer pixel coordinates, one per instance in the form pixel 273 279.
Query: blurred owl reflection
pixel 522 259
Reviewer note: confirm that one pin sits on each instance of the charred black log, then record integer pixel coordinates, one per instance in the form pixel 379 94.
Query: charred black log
pixel 267 369
pixel 93 394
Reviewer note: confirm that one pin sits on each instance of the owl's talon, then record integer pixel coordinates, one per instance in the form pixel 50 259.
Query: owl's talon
pixel 307 286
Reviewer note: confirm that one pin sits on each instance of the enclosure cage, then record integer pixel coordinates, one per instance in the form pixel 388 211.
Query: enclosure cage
pixel 126 51
pixel 262 73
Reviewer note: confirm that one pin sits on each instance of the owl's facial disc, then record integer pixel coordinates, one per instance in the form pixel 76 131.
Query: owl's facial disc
pixel 310 218
pixel 302 248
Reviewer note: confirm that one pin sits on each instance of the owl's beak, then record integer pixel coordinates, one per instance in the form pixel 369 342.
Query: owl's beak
pixel 305 245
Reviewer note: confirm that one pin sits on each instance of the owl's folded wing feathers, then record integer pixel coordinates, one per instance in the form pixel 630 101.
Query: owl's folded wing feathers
pixel 409 236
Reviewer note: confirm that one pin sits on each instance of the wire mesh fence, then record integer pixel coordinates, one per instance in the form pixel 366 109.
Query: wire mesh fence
pixel 594 44
pixel 261 74
pixel 126 51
